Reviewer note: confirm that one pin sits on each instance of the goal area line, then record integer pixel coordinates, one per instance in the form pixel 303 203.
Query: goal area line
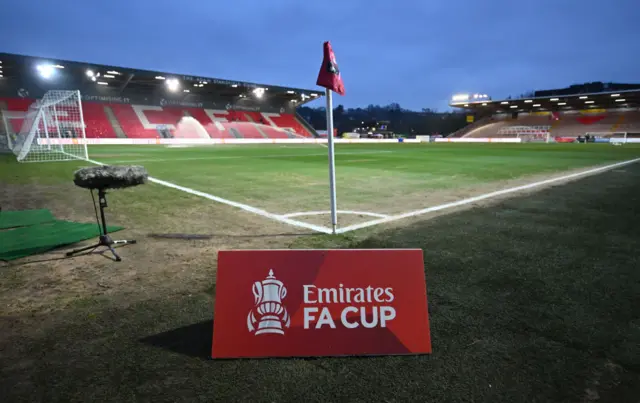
pixel 287 218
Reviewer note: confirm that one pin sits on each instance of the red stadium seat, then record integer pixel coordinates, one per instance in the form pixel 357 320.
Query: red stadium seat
pixel 141 121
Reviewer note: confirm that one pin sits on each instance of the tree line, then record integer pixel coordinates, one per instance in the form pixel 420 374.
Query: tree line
pixel 400 121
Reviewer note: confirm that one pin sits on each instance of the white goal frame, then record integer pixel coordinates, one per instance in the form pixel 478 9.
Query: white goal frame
pixel 58 115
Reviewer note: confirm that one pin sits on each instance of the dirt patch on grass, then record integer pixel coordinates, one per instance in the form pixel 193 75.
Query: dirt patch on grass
pixel 154 266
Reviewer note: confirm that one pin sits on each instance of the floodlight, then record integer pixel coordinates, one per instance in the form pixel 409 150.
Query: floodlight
pixel 589 102
pixel 554 99
pixel 314 95
pixel 504 103
pixel 102 83
pixel 528 101
pixel 90 73
pixel 536 105
pixel 234 85
pixel 159 78
pixel 615 95
pixel 562 103
pixel 584 97
pixel 173 84
pixel 93 79
pixel 258 92
pixel 109 76
pixel 484 104
pixel 513 106
pixel 620 100
pixel 46 70
pixel 186 91
pixel 291 92
pixel 113 72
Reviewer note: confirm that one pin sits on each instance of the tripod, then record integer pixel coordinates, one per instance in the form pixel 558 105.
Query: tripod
pixel 105 238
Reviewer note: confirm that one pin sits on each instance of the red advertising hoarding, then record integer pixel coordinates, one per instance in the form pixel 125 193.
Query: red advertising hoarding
pixel 301 303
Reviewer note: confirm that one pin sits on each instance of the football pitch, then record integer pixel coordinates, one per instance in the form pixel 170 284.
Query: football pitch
pixel 533 293
pixel 376 183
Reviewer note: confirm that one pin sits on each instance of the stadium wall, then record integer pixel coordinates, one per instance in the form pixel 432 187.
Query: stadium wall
pixel 184 141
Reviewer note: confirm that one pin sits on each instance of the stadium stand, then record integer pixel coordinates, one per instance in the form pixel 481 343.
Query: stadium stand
pixel 567 125
pixel 143 121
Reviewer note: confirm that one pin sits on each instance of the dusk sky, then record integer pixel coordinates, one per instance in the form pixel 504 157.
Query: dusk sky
pixel 416 53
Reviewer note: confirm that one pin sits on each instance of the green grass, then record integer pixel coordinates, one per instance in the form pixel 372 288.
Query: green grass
pixel 378 178
pixel 533 299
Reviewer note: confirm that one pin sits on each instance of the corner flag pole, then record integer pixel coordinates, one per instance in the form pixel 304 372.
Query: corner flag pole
pixel 332 162
pixel 329 77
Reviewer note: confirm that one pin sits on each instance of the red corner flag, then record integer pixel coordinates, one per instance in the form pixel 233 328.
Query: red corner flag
pixel 329 76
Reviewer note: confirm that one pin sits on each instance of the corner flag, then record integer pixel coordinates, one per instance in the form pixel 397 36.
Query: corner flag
pixel 329 75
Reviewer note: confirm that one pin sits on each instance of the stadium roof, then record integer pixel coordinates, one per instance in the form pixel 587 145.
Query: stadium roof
pixel 13 66
pixel 581 101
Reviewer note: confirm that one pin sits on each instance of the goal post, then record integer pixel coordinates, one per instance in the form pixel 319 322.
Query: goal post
pixel 53 129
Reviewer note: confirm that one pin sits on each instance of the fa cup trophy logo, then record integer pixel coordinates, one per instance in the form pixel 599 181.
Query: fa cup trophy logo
pixel 269 313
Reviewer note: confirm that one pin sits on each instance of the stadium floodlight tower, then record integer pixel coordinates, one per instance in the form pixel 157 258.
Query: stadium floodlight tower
pixel 53 129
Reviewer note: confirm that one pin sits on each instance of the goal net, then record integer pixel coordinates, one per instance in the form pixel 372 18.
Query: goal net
pixel 53 129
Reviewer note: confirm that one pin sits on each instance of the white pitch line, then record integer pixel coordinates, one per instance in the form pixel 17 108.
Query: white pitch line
pixel 481 197
pixel 241 206
pixel 308 213
pixel 233 157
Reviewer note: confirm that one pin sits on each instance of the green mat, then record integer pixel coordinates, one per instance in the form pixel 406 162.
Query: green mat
pixel 20 242
pixel 12 219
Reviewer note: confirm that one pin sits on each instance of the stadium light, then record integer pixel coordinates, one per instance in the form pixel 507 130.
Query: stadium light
pixel 562 103
pixel 59 66
pixel 186 91
pixel 173 84
pixel 536 105
pixel 291 92
pixel 115 73
pixel 484 104
pixel 554 99
pixel 1 75
pixel 235 85
pixel 615 95
pixel 584 97
pixel 93 79
pixel 90 73
pixel 314 95
pixel 466 105
pixel 513 106
pixel 504 103
pixel 109 76
pixel 589 102
pixel 258 92
pixel 102 83
pixel 46 70
pixel 159 78
pixel 620 100
pixel 528 101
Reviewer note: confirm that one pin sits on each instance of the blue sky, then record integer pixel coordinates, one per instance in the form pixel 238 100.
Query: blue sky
pixel 416 53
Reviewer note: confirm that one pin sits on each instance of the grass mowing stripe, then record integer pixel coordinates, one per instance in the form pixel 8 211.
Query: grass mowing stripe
pixel 242 206
pixel 482 197
pixel 231 157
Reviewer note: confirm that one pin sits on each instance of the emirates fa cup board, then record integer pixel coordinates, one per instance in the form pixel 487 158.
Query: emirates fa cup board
pixel 309 303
